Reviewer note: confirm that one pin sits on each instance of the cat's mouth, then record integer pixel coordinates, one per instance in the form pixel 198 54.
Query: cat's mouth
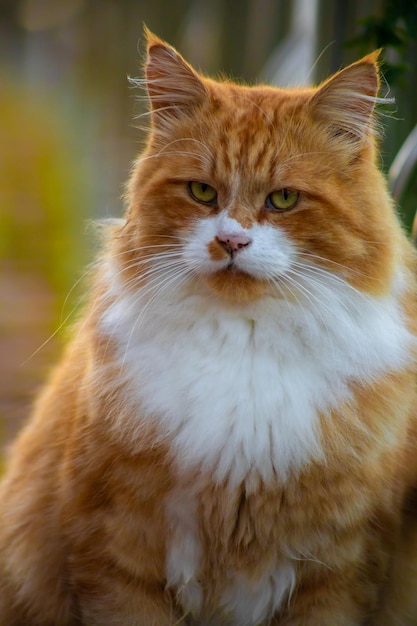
pixel 232 269
pixel 235 285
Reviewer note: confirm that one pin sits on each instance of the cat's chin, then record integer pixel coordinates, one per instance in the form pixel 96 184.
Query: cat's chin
pixel 236 287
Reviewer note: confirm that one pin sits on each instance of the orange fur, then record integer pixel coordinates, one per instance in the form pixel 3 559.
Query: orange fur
pixel 95 494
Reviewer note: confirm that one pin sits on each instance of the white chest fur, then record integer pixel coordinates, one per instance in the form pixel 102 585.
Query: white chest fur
pixel 236 390
pixel 246 601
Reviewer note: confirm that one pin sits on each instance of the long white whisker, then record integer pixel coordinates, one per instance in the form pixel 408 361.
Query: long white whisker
pixel 160 288
pixel 192 139
pixel 154 265
pixel 56 331
pixel 343 268
pixel 177 153
pixel 63 320
pixel 156 277
pixel 314 300
pixel 316 273
pixel 315 286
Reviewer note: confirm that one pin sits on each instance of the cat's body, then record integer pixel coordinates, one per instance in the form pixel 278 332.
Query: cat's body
pixel 231 438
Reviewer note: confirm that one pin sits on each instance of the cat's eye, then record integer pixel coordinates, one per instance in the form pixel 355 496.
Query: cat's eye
pixel 202 192
pixel 282 200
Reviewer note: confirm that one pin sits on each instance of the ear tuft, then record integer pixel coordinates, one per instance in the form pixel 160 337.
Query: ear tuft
pixel 173 86
pixel 346 101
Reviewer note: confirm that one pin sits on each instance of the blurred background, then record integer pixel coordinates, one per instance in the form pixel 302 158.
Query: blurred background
pixel 68 136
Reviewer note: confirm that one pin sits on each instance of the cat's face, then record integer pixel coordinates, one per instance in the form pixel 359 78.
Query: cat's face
pixel 247 192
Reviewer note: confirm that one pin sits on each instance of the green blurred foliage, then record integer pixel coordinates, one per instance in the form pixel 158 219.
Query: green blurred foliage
pixel 395 27
pixel 357 28
pixel 44 198
pixel 42 207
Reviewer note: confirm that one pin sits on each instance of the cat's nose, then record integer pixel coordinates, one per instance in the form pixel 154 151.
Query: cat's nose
pixel 233 242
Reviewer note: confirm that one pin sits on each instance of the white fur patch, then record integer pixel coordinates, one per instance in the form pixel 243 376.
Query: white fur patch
pixel 252 602
pixel 246 601
pixel 184 550
pixel 237 390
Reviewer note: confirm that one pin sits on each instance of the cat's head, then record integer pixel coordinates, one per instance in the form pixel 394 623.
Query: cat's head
pixel 251 191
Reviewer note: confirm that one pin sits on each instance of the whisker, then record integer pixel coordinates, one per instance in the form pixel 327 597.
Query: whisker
pixel 308 294
pixel 161 287
pixel 176 153
pixel 54 334
pixel 278 284
pixel 325 260
pixel 63 320
pixel 321 287
pixel 154 265
pixel 188 139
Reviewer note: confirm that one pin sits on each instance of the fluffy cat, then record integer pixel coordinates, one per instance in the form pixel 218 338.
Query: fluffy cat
pixel 231 436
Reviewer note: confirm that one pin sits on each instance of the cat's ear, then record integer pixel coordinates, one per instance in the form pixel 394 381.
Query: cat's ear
pixel 172 84
pixel 346 101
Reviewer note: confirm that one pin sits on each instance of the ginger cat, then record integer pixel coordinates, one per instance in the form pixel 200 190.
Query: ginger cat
pixel 231 437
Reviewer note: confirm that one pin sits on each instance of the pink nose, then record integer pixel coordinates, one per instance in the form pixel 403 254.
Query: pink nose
pixel 233 242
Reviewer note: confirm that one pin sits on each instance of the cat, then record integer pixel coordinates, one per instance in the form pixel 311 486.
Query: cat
pixel 231 436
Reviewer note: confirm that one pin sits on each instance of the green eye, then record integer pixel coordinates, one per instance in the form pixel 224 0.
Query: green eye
pixel 202 192
pixel 282 200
